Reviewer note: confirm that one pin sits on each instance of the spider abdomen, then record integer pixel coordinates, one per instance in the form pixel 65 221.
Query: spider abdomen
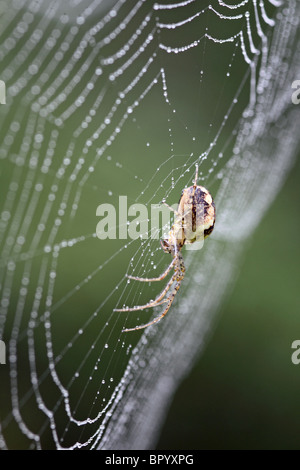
pixel 197 211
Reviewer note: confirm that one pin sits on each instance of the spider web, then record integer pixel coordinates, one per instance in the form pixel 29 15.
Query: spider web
pixel 106 99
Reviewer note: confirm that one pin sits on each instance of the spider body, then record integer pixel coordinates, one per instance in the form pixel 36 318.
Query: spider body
pixel 195 217
pixel 194 221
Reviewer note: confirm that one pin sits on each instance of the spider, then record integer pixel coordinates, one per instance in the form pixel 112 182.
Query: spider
pixel 195 220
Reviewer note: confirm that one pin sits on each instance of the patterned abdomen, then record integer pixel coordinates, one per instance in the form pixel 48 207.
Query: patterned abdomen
pixel 197 209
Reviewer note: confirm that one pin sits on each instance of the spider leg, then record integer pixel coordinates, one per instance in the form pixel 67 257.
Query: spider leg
pixel 152 279
pixel 157 319
pixel 177 277
pixel 152 303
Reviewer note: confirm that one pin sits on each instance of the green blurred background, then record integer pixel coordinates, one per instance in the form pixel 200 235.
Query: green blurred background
pixel 244 391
